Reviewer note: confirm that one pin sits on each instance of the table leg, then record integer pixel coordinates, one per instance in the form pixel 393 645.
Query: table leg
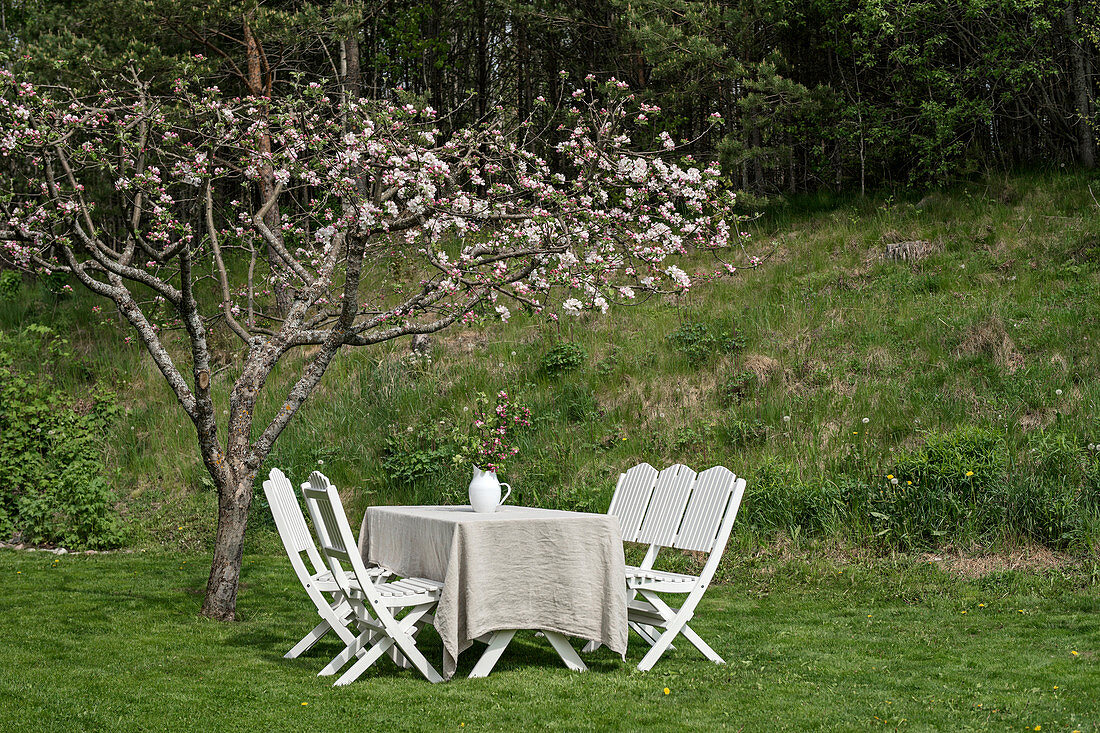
pixel 566 651
pixel 498 642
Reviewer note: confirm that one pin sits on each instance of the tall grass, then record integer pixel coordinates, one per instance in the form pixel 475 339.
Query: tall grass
pixel 841 368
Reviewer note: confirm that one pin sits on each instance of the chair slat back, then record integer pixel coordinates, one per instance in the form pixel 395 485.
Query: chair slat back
pixel 291 523
pixel 666 508
pixel 338 543
pixel 288 515
pixel 724 529
pixel 706 509
pixel 631 499
pixel 329 520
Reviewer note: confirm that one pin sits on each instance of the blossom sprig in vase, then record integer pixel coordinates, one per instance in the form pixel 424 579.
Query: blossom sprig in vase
pixel 489 444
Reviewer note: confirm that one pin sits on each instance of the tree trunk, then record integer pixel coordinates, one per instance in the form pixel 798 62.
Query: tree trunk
pixel 1086 149
pixel 234 500
pixel 482 60
pixel 258 88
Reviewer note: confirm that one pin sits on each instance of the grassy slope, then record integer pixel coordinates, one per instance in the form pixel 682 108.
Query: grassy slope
pixel 113 642
pixel 983 331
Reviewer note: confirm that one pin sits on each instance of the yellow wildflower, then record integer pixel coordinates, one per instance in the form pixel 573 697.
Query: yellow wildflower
pixel 969 473
pixel 667 691
pixel 1074 653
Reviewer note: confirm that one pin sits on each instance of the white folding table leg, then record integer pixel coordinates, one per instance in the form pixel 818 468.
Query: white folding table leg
pixel 591 646
pixel 566 651
pixel 498 642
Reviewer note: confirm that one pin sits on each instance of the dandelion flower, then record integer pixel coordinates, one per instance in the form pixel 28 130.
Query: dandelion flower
pixel 889 475
pixel 667 691
pixel 894 481
pixel 969 473
pixel 1058 392
pixel 305 703
pixel 908 483
pixel 981 605
pixel 1074 653
pixel 787 418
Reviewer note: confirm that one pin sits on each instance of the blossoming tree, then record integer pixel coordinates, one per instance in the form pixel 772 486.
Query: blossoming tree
pixel 146 201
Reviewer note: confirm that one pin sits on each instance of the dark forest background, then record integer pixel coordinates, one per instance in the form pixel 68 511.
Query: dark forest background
pixel 837 94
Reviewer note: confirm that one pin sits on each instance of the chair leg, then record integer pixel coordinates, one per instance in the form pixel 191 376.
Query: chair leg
pixel 674 624
pixel 400 637
pixel 701 645
pixel 408 644
pixel 498 642
pixel 309 640
pixel 648 633
pixel 591 646
pixel 363 662
pixel 353 649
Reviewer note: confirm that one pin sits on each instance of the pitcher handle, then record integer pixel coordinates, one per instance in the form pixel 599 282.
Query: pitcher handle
pixel 506 495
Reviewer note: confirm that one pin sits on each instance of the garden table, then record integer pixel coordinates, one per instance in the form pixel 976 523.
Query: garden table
pixel 554 571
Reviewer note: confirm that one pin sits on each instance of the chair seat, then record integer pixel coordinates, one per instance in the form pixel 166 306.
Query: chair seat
pixel 407 587
pixel 326 584
pixel 659 580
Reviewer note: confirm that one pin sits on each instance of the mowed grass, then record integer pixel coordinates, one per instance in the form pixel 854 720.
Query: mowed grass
pixel 114 642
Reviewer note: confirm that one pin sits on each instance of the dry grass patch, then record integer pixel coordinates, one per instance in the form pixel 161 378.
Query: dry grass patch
pixel 764 368
pixel 1031 558
pixel 990 338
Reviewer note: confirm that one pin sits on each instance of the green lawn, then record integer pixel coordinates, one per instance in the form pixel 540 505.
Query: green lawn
pixel 110 642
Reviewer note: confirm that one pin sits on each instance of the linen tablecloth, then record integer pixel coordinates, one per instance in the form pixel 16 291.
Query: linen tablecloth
pixel 516 568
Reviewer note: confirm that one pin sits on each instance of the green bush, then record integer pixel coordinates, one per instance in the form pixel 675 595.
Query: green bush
pixel 700 341
pixel 564 357
pixel 50 458
pixel 776 500
pixel 736 388
pixel 953 485
pixel 10 283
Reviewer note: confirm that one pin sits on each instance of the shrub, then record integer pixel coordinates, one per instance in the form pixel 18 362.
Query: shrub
pixel 952 485
pixel 10 283
pixel 50 457
pixel 776 500
pixel 736 388
pixel 562 358
pixel 700 341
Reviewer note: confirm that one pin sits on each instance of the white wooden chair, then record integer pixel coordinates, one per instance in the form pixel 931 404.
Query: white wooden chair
pixel 332 606
pixel 375 605
pixel 684 510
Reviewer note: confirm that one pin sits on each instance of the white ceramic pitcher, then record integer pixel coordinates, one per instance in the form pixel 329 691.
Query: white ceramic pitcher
pixel 485 491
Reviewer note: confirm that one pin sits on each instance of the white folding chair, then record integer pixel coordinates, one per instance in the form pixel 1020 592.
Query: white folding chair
pixel 332 606
pixel 680 509
pixel 375 605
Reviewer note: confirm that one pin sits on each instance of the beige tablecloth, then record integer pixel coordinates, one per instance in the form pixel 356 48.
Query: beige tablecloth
pixel 517 568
